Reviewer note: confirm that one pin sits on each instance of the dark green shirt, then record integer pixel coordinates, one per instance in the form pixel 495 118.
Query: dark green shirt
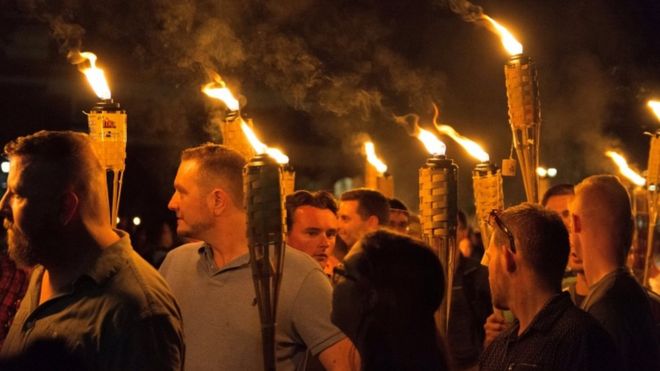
pixel 119 315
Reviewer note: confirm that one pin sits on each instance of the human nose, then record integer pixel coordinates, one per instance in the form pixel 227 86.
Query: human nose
pixel 174 203
pixel 4 204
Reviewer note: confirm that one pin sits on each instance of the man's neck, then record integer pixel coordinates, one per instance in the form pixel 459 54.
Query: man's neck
pixel 528 302
pixel 76 255
pixel 598 270
pixel 228 240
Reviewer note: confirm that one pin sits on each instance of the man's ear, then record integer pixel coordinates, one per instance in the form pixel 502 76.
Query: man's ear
pixel 69 204
pixel 373 221
pixel 576 223
pixel 509 260
pixel 219 200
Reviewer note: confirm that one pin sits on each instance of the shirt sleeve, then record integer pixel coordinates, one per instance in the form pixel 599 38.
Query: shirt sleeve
pixel 311 313
pixel 153 343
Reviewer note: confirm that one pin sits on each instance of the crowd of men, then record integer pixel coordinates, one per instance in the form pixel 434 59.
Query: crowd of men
pixel 93 303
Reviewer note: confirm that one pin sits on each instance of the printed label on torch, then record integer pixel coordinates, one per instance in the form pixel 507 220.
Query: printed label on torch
pixel 108 131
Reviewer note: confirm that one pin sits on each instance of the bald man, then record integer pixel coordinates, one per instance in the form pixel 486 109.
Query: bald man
pixel 601 220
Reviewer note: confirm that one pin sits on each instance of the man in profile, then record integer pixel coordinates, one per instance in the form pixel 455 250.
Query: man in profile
pixel 361 211
pixel 212 279
pixel 557 198
pixel 90 296
pixel 527 256
pixel 601 219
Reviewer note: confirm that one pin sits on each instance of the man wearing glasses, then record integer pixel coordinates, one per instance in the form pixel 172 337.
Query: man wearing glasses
pixel 527 255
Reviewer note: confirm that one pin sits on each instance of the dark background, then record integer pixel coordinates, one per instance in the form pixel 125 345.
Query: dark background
pixel 319 74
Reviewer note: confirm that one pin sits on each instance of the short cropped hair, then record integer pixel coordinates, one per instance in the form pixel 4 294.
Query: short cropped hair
pixel 605 202
pixel 540 238
pixel 71 161
pixel 370 202
pixel 557 190
pixel 222 163
pixel 320 200
pixel 397 204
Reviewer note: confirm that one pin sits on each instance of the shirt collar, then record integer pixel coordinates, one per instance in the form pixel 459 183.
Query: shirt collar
pixel 110 260
pixel 545 319
pixel 206 254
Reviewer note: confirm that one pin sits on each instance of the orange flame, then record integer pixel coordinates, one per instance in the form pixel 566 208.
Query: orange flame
pixel 218 89
pixel 261 148
pixel 433 145
pixel 95 76
pixel 370 150
pixel 512 46
pixel 469 145
pixel 655 106
pixel 625 170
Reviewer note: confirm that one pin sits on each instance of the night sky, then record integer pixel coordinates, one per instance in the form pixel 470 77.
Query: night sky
pixel 317 75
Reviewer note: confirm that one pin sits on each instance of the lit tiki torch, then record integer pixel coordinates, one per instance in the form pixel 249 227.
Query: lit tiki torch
pixel 107 126
pixel 264 194
pixel 438 206
pixel 653 184
pixel 376 175
pixel 524 107
pixel 639 208
pixel 231 127
pixel 486 179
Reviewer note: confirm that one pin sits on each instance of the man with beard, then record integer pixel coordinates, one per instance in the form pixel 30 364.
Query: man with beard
pixel 527 256
pixel 90 294
pixel 212 279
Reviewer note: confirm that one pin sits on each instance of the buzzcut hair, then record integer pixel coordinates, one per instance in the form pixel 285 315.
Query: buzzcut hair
pixel 71 161
pixel 540 237
pixel 320 200
pixel 222 163
pixel 604 201
pixel 557 190
pixel 370 202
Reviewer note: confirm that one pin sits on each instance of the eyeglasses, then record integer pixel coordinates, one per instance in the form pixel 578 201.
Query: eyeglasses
pixel 493 216
pixel 339 273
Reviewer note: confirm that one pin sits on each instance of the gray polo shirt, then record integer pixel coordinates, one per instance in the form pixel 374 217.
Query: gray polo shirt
pixel 119 315
pixel 221 317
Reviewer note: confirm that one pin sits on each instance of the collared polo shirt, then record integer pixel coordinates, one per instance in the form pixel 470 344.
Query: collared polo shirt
pixel 221 317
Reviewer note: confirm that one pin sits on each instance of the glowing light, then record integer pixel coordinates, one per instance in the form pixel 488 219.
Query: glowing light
pixel 542 172
pixel 624 169
pixel 261 148
pixel 5 167
pixel 469 145
pixel 95 76
pixel 512 46
pixel 433 145
pixel 219 90
pixel 137 221
pixel 370 150
pixel 552 172
pixel 655 106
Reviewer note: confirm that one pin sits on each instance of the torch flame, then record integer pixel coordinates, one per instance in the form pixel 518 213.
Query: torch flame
pixel 219 90
pixel 655 106
pixel 373 159
pixel 95 76
pixel 261 148
pixel 512 46
pixel 625 170
pixel 434 145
